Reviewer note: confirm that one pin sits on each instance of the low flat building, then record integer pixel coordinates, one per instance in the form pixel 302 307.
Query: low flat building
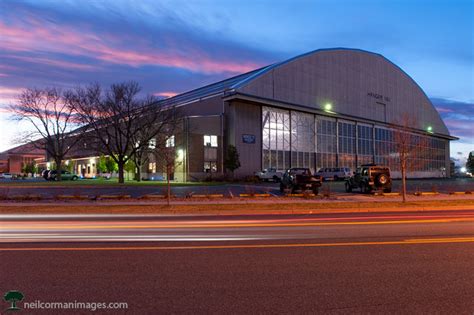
pixel 327 108
pixel 13 160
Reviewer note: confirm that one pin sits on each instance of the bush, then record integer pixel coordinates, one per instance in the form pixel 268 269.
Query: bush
pixel 251 179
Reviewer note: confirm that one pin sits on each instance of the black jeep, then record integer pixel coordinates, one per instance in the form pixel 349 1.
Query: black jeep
pixel 300 179
pixel 370 177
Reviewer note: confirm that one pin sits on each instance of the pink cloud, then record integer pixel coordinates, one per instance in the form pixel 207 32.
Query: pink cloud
pixel 9 95
pixel 56 63
pixel 460 128
pixel 444 110
pixel 42 36
pixel 165 94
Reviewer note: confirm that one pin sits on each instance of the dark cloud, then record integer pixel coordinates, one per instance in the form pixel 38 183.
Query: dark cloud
pixel 458 117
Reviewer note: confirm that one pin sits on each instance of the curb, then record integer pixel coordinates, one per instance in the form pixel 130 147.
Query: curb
pixel 426 193
pixel 108 197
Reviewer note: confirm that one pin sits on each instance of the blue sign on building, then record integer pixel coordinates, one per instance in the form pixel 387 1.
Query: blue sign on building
pixel 250 139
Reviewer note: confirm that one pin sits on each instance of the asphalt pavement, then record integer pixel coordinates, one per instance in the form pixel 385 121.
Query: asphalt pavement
pixel 49 190
pixel 400 263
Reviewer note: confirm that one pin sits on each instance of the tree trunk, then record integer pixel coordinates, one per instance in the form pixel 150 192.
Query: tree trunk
pixel 138 176
pixel 404 182
pixel 58 169
pixel 168 173
pixel 121 179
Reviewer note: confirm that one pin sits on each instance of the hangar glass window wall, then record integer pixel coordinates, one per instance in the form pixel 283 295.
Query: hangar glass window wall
pixel 385 148
pixel 347 144
pixel 275 138
pixel 302 140
pixel 365 144
pixel 326 142
pixel 438 154
pixel 297 139
pixel 427 154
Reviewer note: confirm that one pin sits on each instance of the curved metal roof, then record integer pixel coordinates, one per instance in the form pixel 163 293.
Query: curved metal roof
pixel 245 78
pixel 236 83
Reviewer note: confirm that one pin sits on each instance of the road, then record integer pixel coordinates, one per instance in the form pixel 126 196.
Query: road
pixel 336 264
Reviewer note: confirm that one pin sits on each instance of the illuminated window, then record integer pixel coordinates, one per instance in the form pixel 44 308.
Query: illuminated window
pixel 152 144
pixel 302 140
pixel 347 144
pixel 170 142
pixel 276 138
pixel 326 133
pixel 210 154
pixel 152 167
pixel 210 141
pixel 210 167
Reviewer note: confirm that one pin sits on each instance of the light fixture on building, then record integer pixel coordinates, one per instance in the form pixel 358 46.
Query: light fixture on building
pixel 429 129
pixel 180 156
pixel 328 107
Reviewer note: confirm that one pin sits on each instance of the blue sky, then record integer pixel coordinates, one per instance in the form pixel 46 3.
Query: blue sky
pixel 173 46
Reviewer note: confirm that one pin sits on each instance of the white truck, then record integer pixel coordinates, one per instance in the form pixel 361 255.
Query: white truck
pixel 269 174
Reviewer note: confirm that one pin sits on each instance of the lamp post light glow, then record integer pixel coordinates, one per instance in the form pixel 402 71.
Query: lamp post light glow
pixel 328 107
pixel 429 129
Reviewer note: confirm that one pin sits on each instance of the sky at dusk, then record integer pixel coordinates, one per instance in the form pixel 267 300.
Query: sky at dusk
pixel 173 46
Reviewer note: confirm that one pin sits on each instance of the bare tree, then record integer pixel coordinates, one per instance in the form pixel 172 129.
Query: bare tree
pixel 157 126
pixel 410 148
pixel 53 121
pixel 169 158
pixel 122 123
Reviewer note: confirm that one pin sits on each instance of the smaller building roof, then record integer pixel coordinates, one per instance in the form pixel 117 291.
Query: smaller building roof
pixel 24 149
pixel 209 90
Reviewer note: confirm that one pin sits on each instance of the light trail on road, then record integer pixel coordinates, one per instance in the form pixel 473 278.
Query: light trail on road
pixel 141 229
pixel 248 246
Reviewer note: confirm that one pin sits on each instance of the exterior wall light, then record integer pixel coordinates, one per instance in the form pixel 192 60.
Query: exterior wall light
pixel 429 129
pixel 180 155
pixel 328 107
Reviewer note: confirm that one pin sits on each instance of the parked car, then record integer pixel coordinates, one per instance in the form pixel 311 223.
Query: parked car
pixel 65 175
pixel 106 175
pixel 370 177
pixel 45 174
pixel 269 174
pixel 334 173
pixel 8 176
pixel 300 179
